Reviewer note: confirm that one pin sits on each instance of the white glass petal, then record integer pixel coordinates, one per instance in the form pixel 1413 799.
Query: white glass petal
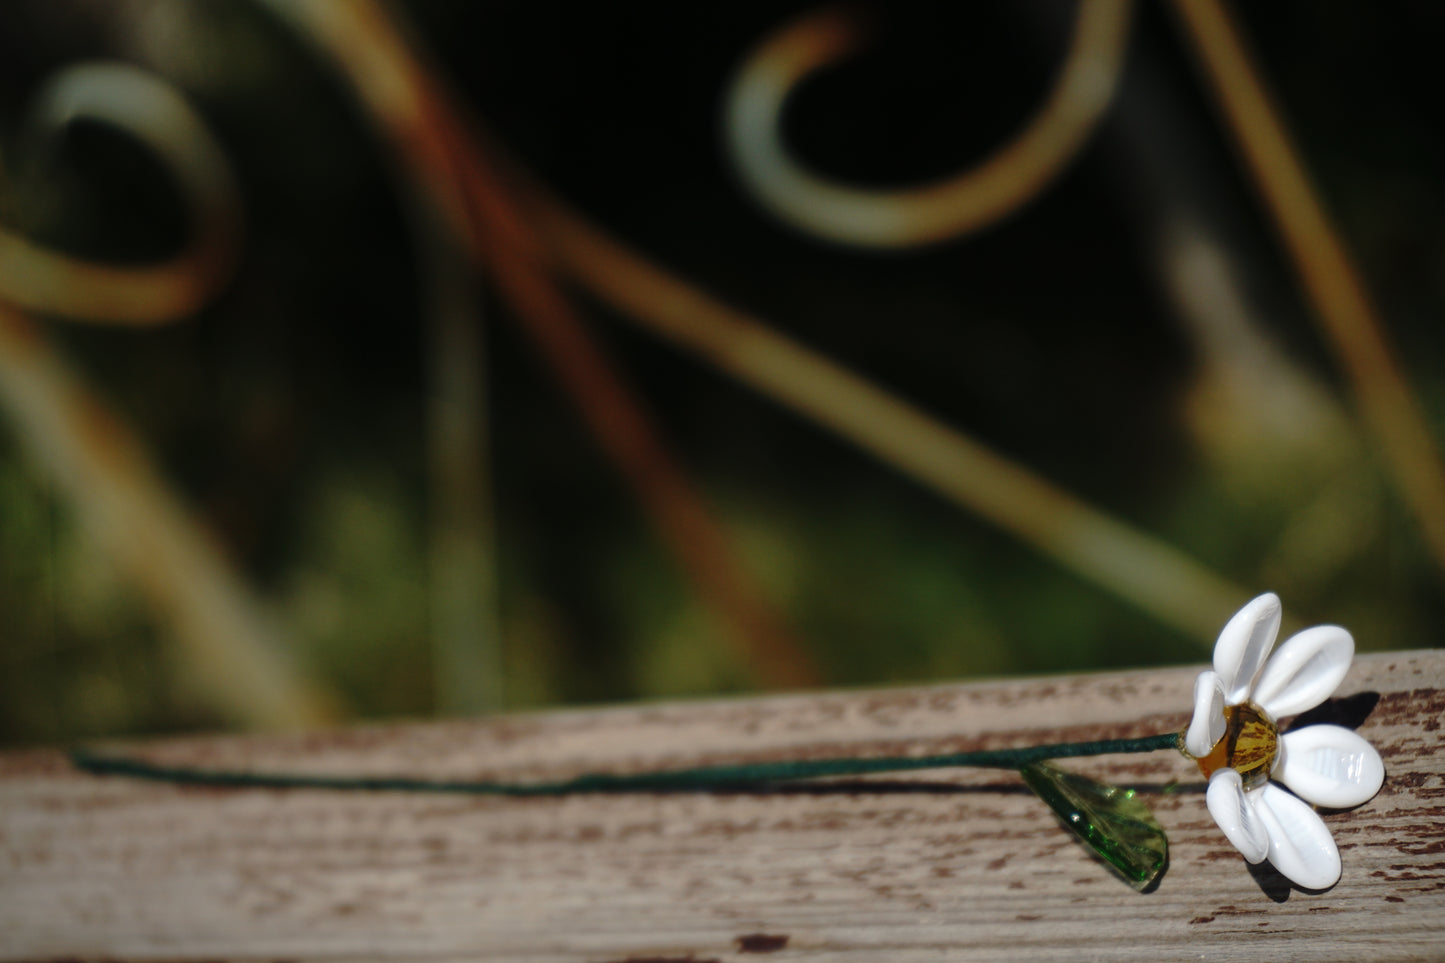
pixel 1300 844
pixel 1207 726
pixel 1243 644
pixel 1305 670
pixel 1330 766
pixel 1235 815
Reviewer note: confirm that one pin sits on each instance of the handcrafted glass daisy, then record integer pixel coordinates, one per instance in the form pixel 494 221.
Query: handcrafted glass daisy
pixel 1234 737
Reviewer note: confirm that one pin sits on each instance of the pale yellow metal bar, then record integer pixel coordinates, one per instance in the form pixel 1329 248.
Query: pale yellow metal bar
pixel 125 506
pixel 465 623
pixel 229 643
pixel 1130 563
pixel 1134 565
pixel 1326 271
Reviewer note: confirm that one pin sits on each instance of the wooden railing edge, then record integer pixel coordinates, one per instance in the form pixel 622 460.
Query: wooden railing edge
pixel 896 868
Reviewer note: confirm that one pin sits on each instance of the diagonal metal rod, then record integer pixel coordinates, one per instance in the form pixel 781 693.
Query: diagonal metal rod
pixel 1131 563
pixel 128 510
pixel 1326 271
pixel 1127 561
pixel 434 142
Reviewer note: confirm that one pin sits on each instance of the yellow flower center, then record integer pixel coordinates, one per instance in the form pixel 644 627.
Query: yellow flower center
pixel 1249 747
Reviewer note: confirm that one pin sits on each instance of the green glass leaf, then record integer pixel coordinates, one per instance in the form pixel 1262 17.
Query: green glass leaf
pixel 1113 822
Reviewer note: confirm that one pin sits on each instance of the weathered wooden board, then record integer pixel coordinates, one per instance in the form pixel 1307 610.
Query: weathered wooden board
pixel 947 865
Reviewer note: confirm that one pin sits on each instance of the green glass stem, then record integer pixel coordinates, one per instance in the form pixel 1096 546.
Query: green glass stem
pixel 698 779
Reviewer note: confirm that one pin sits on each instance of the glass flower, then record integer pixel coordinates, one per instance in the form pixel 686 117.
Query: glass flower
pixel 1234 737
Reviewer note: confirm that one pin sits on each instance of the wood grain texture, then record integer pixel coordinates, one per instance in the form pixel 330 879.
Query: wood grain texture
pixel 955 865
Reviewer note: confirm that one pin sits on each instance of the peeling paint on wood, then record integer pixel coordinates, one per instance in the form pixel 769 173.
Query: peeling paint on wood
pixel 963 865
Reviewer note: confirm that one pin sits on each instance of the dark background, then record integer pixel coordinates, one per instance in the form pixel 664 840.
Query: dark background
pixel 289 414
